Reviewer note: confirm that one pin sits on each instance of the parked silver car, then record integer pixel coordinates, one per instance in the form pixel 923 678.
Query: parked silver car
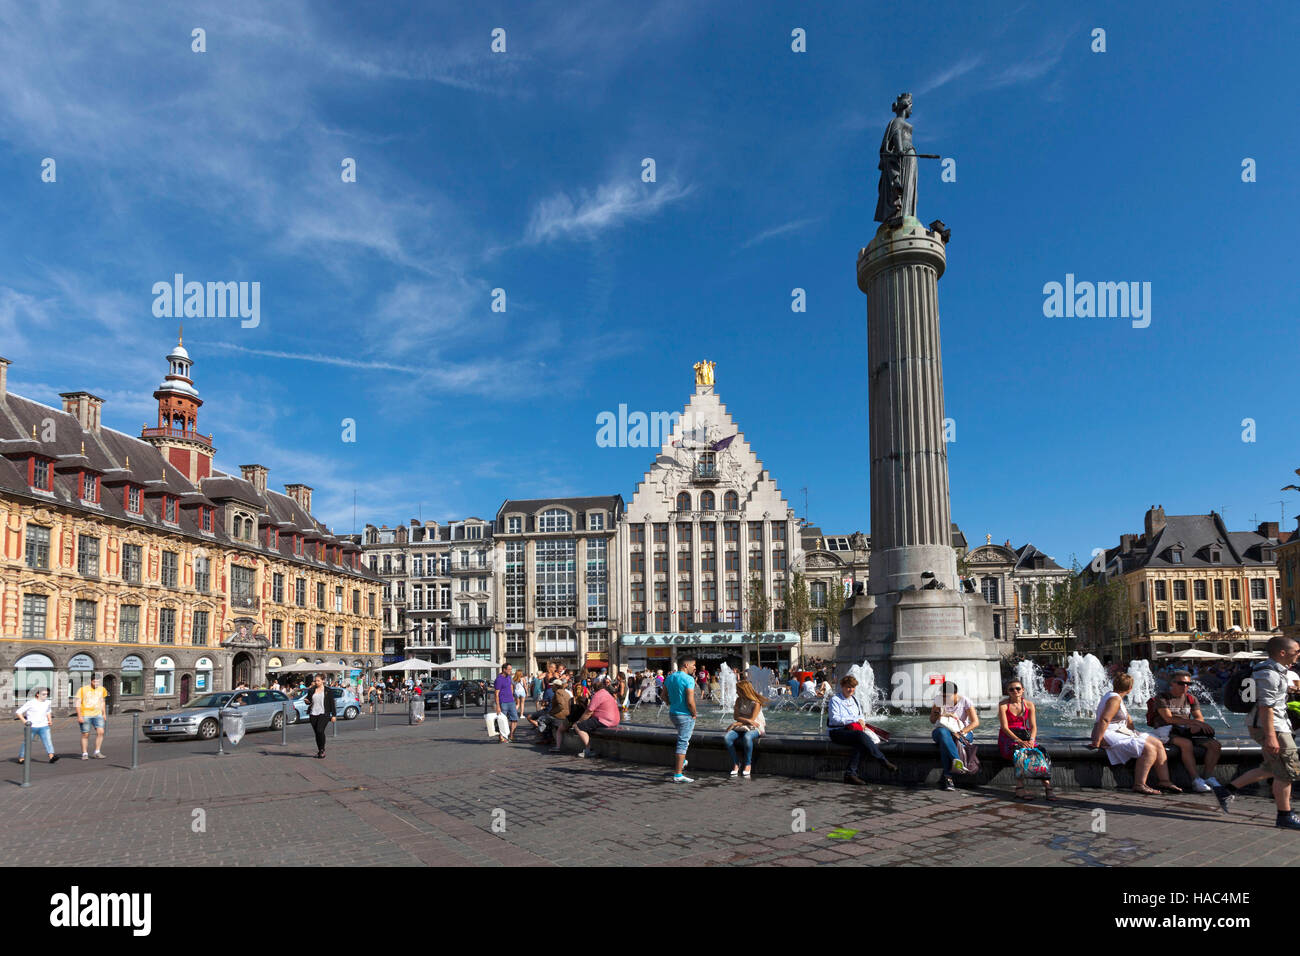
pixel 346 704
pixel 261 710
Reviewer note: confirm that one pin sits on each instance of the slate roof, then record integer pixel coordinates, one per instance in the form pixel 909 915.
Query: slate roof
pixel 1197 534
pixel 119 459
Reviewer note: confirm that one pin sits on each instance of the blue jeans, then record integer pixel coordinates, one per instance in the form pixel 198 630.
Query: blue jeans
pixel 685 725
pixel 947 746
pixel 749 737
pixel 38 733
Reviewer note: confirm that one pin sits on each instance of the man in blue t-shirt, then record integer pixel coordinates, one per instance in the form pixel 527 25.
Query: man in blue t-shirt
pixel 679 687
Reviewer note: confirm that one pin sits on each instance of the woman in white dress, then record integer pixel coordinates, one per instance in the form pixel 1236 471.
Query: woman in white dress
pixel 1115 734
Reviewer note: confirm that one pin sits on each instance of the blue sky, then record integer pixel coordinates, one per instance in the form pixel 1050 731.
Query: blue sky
pixel 522 171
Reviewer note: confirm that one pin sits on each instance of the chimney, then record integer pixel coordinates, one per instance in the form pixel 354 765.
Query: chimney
pixel 84 407
pixel 255 475
pixel 1126 543
pixel 4 377
pixel 1269 529
pixel 300 494
pixel 1155 521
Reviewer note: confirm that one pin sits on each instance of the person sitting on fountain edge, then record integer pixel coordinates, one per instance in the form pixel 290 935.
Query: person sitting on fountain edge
pixel 1018 720
pixel 1176 718
pixel 955 719
pixel 846 724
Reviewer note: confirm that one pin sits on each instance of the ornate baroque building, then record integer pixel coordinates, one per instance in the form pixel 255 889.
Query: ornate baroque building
pixel 136 559
pixel 1019 583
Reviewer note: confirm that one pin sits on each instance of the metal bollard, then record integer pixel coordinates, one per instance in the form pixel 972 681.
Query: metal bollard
pixel 27 749
pixel 438 694
pixel 284 725
pixel 464 702
pixel 221 730
pixel 376 716
pixel 135 741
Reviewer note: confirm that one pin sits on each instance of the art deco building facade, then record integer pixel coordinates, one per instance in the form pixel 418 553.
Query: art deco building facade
pixel 557 585
pixel 1194 583
pixel 137 559
pixel 707 548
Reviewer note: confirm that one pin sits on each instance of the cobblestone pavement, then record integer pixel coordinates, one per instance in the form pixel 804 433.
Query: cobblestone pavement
pixel 442 794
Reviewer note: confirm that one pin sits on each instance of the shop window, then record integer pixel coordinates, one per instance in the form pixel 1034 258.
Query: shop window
pixel 132 676
pixel 164 673
pixel 30 672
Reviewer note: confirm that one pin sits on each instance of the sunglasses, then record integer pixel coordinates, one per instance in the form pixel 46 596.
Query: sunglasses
pixel 1015 688
pixel 1183 683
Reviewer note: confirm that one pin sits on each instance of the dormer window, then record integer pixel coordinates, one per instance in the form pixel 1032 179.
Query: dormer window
pixel 1216 554
pixel 205 518
pixel 1266 555
pixel 133 500
pixel 514 525
pixel 39 473
pixel 297 545
pixel 1176 555
pixel 243 527
pixel 169 509
pixel 88 486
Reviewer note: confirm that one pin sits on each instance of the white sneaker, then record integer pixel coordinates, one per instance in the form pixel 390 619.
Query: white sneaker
pixel 735 773
pixel 1213 782
pixel 1201 786
pixel 682 778
pixel 958 766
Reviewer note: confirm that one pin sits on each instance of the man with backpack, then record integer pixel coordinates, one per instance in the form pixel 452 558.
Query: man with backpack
pixel 1269 727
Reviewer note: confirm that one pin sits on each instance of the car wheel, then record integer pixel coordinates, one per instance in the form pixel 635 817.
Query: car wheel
pixel 277 721
pixel 208 728
pixel 351 713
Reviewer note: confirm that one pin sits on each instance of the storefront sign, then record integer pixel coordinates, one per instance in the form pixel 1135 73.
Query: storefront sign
pixel 274 662
pixel 132 663
pixel 714 639
pixel 81 662
pixel 1044 645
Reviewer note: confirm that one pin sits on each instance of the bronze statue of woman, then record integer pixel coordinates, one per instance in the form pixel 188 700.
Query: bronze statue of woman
pixel 897 189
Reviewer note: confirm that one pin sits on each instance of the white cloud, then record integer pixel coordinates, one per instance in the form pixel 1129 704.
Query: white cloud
pixel 587 214
pixel 793 225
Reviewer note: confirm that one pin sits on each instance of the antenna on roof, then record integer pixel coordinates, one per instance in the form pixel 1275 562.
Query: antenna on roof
pixel 354 511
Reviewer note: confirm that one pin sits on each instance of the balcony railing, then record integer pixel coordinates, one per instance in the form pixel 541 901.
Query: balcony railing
pixel 707 473
pixel 188 434
pixel 245 602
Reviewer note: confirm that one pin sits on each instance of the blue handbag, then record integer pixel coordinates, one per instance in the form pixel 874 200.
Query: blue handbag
pixel 1032 764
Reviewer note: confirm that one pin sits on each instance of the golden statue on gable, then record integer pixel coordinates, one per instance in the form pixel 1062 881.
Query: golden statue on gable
pixel 704 372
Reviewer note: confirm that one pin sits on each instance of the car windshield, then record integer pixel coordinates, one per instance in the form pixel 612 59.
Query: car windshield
pixel 211 700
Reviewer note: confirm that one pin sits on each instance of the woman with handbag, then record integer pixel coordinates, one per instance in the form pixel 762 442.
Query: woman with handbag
pixel 748 723
pixel 846 724
pixel 1018 719
pixel 1176 718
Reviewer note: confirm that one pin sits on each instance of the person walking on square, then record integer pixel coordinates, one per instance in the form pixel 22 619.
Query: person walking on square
pixel 561 707
pixel 320 711
pixel 1270 727
pixel 679 686
pixel 504 700
pixel 90 712
pixel 36 712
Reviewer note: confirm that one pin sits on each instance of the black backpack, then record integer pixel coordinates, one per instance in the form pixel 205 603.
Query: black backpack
pixel 1234 691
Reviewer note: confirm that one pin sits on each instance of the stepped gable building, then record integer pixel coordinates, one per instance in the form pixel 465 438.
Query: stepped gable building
pixel 1194 583
pixel 137 559
pixel 707 548
pixel 438 589
pixel 1019 583
pixel 557 582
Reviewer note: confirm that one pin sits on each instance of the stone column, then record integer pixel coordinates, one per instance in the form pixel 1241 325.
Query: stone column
pixel 910 519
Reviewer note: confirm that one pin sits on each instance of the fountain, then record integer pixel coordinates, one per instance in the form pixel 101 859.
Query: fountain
pixel 726 690
pixel 867 694
pixel 763 679
pixel 1144 685
pixel 1030 676
pixel 1085 687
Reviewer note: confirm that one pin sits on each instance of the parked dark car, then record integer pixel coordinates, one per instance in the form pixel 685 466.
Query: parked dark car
pixel 454 693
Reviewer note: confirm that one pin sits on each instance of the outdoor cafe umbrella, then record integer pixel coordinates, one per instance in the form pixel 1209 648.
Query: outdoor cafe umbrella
pixel 465 663
pixel 1193 654
pixel 408 665
pixel 1247 656
pixel 307 668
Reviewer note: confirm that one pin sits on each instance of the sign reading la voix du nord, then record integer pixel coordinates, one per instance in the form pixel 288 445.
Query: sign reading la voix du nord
pixel 719 638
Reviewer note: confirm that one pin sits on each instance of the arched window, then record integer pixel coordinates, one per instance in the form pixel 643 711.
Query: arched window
pixel 731 501
pixel 684 501
pixel 706 501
